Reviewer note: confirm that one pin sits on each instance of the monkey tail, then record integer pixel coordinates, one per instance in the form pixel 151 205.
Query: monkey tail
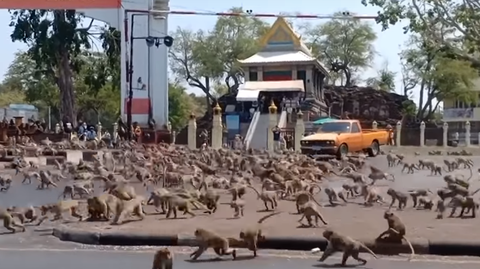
pixel 476 191
pixel 251 187
pixel 262 219
pixel 369 250
pixel 471 174
pixel 313 199
pixel 411 248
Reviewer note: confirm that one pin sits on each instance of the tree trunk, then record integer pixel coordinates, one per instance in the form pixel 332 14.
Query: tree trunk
pixel 68 111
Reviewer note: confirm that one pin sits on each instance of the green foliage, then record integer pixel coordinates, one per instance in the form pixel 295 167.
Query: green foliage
pixel 347 45
pixel 459 22
pixel 54 41
pixel 384 81
pixel 213 54
pixel 179 105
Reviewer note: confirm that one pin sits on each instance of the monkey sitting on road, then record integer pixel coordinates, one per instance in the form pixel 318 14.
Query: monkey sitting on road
pixel 207 239
pixel 396 231
pixel 163 259
pixel 8 222
pixel 349 246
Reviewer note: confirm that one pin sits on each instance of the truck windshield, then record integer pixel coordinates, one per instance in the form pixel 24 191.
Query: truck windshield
pixel 334 127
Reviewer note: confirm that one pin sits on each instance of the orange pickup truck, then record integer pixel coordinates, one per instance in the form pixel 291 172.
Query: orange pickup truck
pixel 342 136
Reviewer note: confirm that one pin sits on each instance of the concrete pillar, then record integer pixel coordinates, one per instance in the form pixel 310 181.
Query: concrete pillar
pixel 217 128
pixel 299 131
pixel 273 118
pixel 192 132
pixel 174 137
pixel 467 133
pixel 422 134
pixel 445 134
pixel 399 134
pixel 114 135
pixel 57 128
pixel 99 130
pixel 374 125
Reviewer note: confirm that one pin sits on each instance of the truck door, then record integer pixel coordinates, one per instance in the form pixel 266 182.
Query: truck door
pixel 356 139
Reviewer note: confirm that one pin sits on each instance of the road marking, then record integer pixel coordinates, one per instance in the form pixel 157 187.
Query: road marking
pixel 440 259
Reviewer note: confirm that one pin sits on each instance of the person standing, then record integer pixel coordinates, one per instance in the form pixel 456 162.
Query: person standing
pixel 276 138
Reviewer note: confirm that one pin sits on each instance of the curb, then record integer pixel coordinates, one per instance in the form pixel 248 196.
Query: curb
pixel 421 246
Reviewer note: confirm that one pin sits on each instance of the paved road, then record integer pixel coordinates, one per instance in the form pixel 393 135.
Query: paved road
pixel 80 259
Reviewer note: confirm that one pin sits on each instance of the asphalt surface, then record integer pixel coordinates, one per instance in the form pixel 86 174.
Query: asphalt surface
pixel 126 259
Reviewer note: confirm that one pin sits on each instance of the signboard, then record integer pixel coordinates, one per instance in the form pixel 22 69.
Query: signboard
pixel 233 122
pixel 59 4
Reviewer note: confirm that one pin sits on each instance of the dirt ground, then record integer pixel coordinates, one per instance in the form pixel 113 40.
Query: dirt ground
pixel 353 219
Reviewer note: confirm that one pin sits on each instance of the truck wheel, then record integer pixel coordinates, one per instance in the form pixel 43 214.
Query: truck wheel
pixel 342 151
pixel 374 149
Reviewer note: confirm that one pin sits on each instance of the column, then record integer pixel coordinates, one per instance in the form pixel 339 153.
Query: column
pixel 273 118
pixel 399 134
pixel 260 73
pixel 374 125
pixel 445 134
pixel 294 72
pixel 192 132
pixel 299 131
pixel 114 135
pixel 422 134
pixel 217 127
pixel 467 133
pixel 99 130
pixel 309 83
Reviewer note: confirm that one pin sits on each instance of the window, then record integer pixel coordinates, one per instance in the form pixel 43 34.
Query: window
pixel 253 76
pixel 355 128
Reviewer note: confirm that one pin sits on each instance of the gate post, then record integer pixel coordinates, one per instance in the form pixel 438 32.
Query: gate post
pixel 217 127
pixel 299 131
pixel 445 135
pixel 192 132
pixel 467 133
pixel 422 134
pixel 272 122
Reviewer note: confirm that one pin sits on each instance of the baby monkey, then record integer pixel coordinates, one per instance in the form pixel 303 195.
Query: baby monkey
pixel 163 259
pixel 349 246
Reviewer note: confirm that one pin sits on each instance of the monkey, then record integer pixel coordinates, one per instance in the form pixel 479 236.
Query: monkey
pixel 422 164
pixel 349 246
pixel 310 211
pixel 392 160
pixel 352 190
pixel 440 208
pixel 396 231
pixel 445 193
pixel 159 197
pixel 435 169
pixel 175 202
pixel 356 177
pixel 123 192
pixel 418 193
pixel 466 203
pixel 410 167
pixel 267 197
pixel 397 195
pixel 208 239
pixel 73 189
pixel 238 205
pixel 163 259
pixel 425 202
pixel 252 235
pixel 45 180
pixel 450 165
pixel 125 208
pixel 28 175
pixel 371 195
pixel 5 182
pixel 58 208
pixel 101 206
pixel 302 198
pixel 8 222
pixel 467 163
pixel 333 196
pixel 25 215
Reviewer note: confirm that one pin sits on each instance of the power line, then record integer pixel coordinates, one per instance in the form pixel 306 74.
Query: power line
pixel 342 16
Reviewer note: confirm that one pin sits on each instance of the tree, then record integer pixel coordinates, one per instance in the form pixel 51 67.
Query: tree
pixel 459 21
pixel 346 44
pixel 438 76
pixel 179 106
pixel 54 41
pixel 203 58
pixel 384 81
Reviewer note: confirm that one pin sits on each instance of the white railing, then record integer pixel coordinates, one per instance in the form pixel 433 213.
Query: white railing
pixel 282 122
pixel 251 129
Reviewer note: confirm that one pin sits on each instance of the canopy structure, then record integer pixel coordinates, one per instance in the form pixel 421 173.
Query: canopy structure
pixel 322 121
pixel 247 95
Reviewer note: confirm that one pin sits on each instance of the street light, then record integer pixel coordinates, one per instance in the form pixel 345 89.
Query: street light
pixel 150 41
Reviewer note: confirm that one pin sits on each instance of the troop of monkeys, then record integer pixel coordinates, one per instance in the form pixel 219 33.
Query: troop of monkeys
pixel 193 180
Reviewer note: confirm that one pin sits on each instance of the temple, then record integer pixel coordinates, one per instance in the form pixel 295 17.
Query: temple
pixel 285 73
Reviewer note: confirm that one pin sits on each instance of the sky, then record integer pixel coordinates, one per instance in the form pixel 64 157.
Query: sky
pixel 387 45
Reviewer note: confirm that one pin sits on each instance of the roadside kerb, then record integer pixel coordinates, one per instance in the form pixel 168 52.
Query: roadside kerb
pixel 421 246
